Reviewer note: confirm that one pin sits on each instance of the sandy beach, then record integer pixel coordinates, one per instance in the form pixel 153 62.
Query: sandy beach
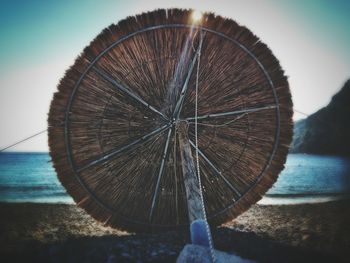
pixel 280 233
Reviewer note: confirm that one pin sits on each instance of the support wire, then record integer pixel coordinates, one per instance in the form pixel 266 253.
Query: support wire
pixel 211 246
pixel 23 140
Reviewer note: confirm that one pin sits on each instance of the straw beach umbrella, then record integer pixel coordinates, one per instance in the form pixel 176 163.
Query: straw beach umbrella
pixel 113 123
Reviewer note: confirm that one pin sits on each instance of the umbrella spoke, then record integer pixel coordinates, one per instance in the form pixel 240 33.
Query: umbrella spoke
pixel 161 170
pixel 217 171
pixel 229 113
pixel 126 90
pixel 124 148
pixel 179 103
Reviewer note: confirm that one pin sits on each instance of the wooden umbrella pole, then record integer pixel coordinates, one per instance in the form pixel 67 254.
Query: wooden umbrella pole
pixel 199 235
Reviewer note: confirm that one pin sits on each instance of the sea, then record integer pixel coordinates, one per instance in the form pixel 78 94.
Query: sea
pixel 30 177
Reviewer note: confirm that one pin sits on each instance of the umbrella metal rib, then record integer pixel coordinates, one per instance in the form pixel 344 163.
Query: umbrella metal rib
pixel 179 103
pixel 222 114
pixel 124 148
pixel 161 170
pixel 126 90
pixel 216 170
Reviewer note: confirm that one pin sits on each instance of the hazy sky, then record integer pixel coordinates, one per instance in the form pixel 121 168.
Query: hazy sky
pixel 39 40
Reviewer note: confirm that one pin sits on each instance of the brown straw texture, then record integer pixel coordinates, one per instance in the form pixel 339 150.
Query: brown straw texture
pixel 91 119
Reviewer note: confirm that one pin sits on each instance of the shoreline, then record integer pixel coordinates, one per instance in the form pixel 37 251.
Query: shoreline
pixel 300 199
pixel 268 199
pixel 265 233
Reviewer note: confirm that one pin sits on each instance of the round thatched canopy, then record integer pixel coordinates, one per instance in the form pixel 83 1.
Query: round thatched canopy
pixel 109 121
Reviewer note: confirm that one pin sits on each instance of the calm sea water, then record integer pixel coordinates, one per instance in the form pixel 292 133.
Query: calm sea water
pixel 306 178
pixel 29 177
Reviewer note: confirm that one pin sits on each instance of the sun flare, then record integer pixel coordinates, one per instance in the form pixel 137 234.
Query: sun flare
pixel 196 16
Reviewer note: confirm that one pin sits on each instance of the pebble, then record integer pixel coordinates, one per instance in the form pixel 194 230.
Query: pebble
pixel 111 259
pixel 306 237
pixel 125 255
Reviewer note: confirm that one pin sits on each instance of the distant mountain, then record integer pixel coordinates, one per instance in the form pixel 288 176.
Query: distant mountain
pixel 327 131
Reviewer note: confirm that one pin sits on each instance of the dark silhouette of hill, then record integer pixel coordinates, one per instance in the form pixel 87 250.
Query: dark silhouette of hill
pixel 326 131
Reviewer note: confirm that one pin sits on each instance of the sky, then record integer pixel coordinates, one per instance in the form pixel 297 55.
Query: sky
pixel 39 40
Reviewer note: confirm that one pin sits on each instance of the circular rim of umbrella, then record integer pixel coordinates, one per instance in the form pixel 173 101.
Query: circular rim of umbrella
pixel 252 194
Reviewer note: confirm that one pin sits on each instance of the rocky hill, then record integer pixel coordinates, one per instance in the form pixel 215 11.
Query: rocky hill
pixel 327 131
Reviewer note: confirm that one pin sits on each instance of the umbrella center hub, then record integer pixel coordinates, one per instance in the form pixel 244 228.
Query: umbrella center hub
pixel 181 124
